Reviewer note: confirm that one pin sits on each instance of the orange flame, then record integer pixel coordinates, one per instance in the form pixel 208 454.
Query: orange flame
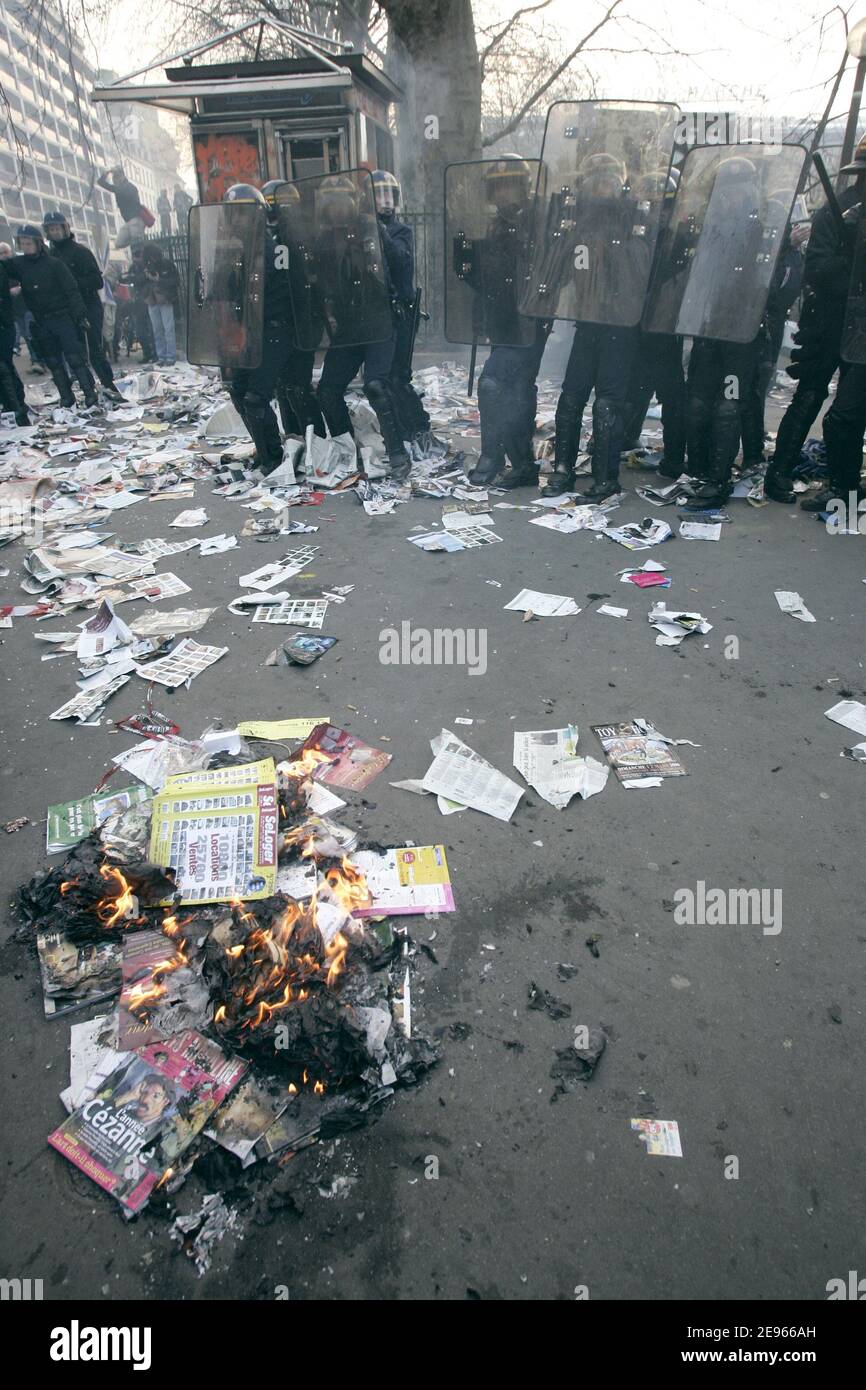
pixel 110 911
pixel 304 763
pixel 69 884
pixel 349 886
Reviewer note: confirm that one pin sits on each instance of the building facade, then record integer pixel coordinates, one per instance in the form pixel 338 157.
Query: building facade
pixel 54 142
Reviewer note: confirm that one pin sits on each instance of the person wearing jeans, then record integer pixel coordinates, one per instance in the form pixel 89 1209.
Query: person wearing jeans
pixel 162 284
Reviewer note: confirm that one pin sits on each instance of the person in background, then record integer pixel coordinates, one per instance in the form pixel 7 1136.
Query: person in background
pixel 139 307
pixel 52 296
pixel 11 386
pixel 182 205
pixel 163 207
pixel 162 288
pixel 23 321
pixel 128 202
pixel 85 270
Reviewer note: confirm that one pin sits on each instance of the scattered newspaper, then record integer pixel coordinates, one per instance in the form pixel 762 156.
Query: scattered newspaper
pixel 549 761
pixel 161 624
pixel 187 660
pixel 102 633
pixel 159 587
pixel 851 714
pixel 793 604
pixel 543 605
pixel 84 705
pixel 662 1137
pixel 700 530
pixel 300 612
pixel 461 775
pixel 640 535
pixel 673 627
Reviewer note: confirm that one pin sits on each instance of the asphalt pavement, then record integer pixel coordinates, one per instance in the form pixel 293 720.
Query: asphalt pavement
pixel 752 1042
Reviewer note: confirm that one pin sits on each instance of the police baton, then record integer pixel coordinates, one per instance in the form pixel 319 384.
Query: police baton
pixel 472 358
pixel 832 200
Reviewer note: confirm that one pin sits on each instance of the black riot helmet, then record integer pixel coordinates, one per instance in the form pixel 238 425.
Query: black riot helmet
pixel 29 230
pixel 56 221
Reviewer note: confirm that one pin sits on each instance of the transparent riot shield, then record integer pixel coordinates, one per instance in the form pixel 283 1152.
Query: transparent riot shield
pixel 721 240
pixel 337 272
pixel 854 332
pixel 225 294
pixel 488 211
pixel 605 172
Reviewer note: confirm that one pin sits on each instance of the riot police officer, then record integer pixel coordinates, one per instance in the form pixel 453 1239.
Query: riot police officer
pixel 252 388
pixel 82 263
pixel 351 255
pixel 816 358
pixel 398 242
pixel 295 396
pixel 51 294
pixel 493 267
pixel 606 226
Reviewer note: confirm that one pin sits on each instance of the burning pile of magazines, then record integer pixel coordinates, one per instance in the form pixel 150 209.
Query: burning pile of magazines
pixel 261 975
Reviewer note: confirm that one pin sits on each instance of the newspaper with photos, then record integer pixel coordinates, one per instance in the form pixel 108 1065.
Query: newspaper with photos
pixel 161 586
pixel 635 757
pixel 218 831
pixel 133 1124
pixel 302 612
pixel 188 659
pixel 84 705
pixel 459 774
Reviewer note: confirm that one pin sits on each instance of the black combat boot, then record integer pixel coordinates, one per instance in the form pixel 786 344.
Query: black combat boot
pixel 492 404
pixel 607 431
pixel 379 396
pixel 61 380
pixel 569 418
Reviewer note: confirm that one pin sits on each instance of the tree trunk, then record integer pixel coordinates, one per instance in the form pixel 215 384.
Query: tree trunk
pixel 439 118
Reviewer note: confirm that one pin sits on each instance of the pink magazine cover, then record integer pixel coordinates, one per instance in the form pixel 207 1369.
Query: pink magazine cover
pixel 134 1124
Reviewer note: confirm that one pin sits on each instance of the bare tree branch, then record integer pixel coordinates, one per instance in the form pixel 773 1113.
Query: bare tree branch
pixel 538 93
